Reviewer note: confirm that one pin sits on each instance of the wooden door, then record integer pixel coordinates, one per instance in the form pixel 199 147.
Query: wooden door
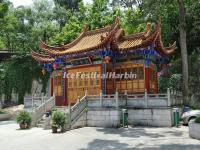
pixel 132 85
pixel 85 80
pixel 58 88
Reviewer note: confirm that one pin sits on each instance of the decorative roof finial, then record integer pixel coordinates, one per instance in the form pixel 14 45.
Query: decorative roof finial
pixel 148 27
pixel 85 28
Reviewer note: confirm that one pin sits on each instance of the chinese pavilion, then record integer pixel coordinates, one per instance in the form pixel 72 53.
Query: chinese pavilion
pixel 105 50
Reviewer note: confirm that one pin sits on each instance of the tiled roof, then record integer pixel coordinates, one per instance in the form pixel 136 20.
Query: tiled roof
pixel 41 58
pixel 145 39
pixel 89 40
pixel 114 35
pixel 137 40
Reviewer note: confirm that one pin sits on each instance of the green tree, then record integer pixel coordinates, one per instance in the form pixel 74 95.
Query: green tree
pixel 183 45
pixel 72 5
pixel 19 75
pixel 131 4
pixel 4 7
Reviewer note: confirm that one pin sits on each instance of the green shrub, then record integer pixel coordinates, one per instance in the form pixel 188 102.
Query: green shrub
pixel 3 112
pixel 58 119
pixel 54 109
pixel 24 117
pixel 197 120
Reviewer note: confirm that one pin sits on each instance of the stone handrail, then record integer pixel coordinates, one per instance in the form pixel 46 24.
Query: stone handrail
pixel 39 111
pixel 131 100
pixel 135 96
pixel 34 101
pixel 78 108
pixel 176 99
pixel 108 96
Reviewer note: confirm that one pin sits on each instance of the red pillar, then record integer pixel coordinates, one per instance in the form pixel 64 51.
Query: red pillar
pixel 51 80
pixel 147 78
pixel 156 82
pixel 66 94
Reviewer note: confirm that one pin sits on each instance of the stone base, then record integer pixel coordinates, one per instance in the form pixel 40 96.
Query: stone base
pixel 158 117
pixel 103 117
pixel 194 130
pixel 111 117
pixel 80 122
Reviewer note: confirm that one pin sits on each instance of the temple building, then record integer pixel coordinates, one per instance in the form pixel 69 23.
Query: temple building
pixel 102 51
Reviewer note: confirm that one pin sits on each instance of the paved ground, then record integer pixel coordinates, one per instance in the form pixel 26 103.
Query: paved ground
pixel 137 138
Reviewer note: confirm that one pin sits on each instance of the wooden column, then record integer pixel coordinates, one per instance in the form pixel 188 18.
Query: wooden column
pixel 147 78
pixel 51 81
pixel 156 82
pixel 65 86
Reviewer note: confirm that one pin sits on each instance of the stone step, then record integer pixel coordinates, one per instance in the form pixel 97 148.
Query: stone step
pixel 62 108
pixel 39 125
pixel 41 122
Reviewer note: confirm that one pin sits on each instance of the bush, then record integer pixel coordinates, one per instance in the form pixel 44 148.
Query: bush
pixel 54 109
pixel 197 120
pixel 24 117
pixel 173 82
pixel 58 119
pixel 3 112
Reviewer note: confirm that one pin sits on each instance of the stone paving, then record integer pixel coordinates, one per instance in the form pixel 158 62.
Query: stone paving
pixel 90 138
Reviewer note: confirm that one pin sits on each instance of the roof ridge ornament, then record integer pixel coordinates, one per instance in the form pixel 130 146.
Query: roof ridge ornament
pixel 41 57
pixel 148 29
pixel 85 28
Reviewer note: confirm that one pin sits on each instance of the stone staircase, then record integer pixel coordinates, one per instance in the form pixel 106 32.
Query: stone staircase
pixel 44 122
pixel 39 118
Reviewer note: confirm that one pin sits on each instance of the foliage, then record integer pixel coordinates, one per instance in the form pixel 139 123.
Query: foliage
pixel 72 5
pixel 95 16
pixel 163 84
pixel 4 6
pixel 197 120
pixel 19 75
pixel 69 32
pixel 131 4
pixel 60 21
pixel 173 83
pixel 2 77
pixel 133 22
pixel 23 117
pixel 58 118
pixel 54 109
pixel 194 71
pixel 2 111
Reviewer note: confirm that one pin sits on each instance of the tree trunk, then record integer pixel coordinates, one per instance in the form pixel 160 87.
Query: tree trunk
pixel 183 46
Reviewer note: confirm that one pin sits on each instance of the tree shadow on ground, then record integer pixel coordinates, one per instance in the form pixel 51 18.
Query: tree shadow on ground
pixel 99 144
pixel 137 132
pixel 7 122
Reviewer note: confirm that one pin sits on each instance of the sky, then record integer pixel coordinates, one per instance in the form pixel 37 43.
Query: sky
pixel 17 3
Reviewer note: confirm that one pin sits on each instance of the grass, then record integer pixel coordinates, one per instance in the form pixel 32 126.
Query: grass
pixel 2 111
pixel 197 120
